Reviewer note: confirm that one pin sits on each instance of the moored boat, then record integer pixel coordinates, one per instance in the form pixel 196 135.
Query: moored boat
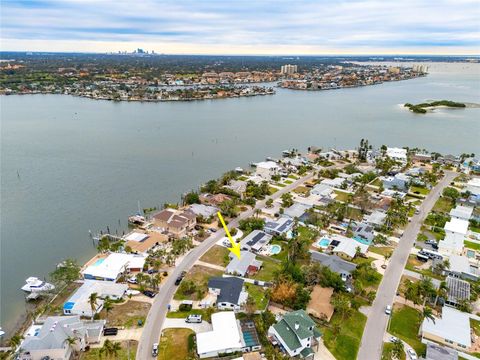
pixel 34 284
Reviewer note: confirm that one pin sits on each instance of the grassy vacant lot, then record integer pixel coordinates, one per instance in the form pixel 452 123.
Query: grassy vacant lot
pixel 176 344
pixel 292 176
pixel 269 267
pixel 386 350
pixel 404 324
pixel 301 190
pixel 288 182
pixel 380 250
pixel 443 205
pixel 199 275
pixel 257 293
pixel 128 351
pixel 272 190
pixel 354 213
pixel 472 245
pixel 217 255
pixel 127 314
pixel 345 344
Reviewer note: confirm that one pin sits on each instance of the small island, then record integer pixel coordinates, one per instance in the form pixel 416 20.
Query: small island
pixel 422 107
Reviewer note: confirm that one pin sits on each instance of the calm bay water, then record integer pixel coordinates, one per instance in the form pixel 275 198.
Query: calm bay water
pixel 84 164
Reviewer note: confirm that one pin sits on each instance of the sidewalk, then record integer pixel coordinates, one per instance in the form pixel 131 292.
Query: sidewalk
pixel 211 266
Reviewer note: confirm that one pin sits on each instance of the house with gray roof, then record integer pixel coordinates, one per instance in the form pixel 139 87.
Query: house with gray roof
pixel 255 241
pixel 296 210
pixel 246 264
pixel 279 226
pixel 295 334
pixel 458 291
pixel 49 341
pixel 363 231
pixel 334 263
pixel 230 292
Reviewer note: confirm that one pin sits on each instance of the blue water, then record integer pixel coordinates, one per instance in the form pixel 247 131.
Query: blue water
pixel 98 262
pixel 362 241
pixel 324 242
pixel 275 249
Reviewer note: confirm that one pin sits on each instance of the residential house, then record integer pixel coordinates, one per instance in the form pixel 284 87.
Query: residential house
pixel 141 243
pixel 297 210
pixel 49 340
pixel 214 199
pixel 457 228
pixel 176 223
pixel 225 337
pixel 229 291
pixel 296 333
pixel 458 291
pixel 205 211
pixel 451 329
pixel 451 245
pixel 247 264
pixel 278 227
pixel 240 187
pixel 110 268
pixel 79 302
pixel 397 154
pixel 336 264
pixel 255 241
pixel 461 213
pixel 376 218
pixel 363 231
pixel 460 267
pixel 322 190
pixel 337 183
pixel 473 186
pixel 349 248
pixel 399 182
pixel 267 169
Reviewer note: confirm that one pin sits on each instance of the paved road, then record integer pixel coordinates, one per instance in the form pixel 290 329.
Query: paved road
pixel 157 313
pixel 371 345
pixel 204 326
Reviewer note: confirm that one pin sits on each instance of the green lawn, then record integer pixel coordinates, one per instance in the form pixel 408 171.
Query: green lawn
pixel 217 255
pixel 475 324
pixel 380 250
pixel 443 205
pixel 386 351
pixel 269 267
pixel 257 293
pixel 354 213
pixel 243 178
pixel 282 255
pixel 272 190
pixel 199 275
pixel 419 190
pixel 342 196
pixel 404 324
pixel 280 184
pixel 295 177
pixel 472 245
pixel 345 344
pixel 127 351
pixel 288 182
pixel 176 344
pixel 376 182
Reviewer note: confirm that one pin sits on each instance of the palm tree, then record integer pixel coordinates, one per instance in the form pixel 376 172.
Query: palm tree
pixel 397 349
pixel 341 303
pixel 442 291
pixel 15 341
pixel 108 306
pixel 387 256
pixel 257 212
pixel 93 303
pixel 106 348
pixel 70 341
pixel 116 347
pixel 427 313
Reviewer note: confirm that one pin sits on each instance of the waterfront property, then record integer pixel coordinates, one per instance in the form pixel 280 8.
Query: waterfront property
pixel 79 302
pixel 111 267
pixel 174 222
pixel 296 334
pixel 49 339
pixel 267 169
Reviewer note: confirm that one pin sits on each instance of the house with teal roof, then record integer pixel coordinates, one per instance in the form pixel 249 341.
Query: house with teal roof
pixel 296 334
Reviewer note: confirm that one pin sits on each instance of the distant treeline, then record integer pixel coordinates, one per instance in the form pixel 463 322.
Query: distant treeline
pixel 420 108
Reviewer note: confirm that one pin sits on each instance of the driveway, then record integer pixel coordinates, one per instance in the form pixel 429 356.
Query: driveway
pixel 372 340
pixel 180 323
pixel 122 335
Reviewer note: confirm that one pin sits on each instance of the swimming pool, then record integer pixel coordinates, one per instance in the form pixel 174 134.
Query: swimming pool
pixel 275 249
pixel 362 241
pixel 323 242
pixel 98 262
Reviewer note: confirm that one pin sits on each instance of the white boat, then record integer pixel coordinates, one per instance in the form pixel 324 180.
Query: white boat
pixel 239 170
pixel 1 332
pixel 34 284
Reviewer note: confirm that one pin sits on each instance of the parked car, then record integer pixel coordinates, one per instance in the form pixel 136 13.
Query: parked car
pixel 155 350
pixel 394 339
pixel 131 292
pixel 132 280
pixel 112 331
pixel 388 310
pixel 193 319
pixel 411 354
pixel 344 277
pixel 149 293
pixel 152 271
pixel 180 278
pixel 417 212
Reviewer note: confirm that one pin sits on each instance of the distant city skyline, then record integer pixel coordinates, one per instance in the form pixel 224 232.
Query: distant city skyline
pixel 358 27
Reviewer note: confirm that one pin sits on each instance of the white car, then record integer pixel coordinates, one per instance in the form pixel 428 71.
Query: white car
pixel 131 292
pixel 133 280
pixel 344 277
pixel 411 354
pixel 388 310
pixel 155 350
pixel 394 339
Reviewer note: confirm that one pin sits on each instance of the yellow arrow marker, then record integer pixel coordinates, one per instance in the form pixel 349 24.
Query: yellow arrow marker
pixel 235 247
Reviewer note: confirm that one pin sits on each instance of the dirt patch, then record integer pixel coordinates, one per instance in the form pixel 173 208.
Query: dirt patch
pixel 319 305
pixel 127 314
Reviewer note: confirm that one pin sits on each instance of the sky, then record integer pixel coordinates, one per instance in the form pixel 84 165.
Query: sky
pixel 276 27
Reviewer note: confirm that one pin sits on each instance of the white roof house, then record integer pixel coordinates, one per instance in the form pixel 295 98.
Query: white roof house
pixel 473 186
pixel 375 218
pixel 452 329
pixel 225 337
pixel 112 266
pixel 451 245
pixel 321 190
pixel 79 302
pixel 136 236
pixel 461 212
pixel 348 247
pixel 457 226
pixel 397 154
pixel 266 169
pixel 333 183
pixel 203 210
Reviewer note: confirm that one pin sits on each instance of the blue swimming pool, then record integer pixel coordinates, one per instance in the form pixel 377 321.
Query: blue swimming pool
pixel 275 249
pixel 362 241
pixel 98 262
pixel 323 242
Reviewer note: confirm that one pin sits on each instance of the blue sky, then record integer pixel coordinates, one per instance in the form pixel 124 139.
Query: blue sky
pixel 243 26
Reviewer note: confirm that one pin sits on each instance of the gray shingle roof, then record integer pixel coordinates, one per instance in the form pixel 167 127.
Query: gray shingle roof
pixel 230 288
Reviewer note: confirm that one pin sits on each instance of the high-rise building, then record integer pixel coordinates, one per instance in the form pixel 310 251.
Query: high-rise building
pixel 288 69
